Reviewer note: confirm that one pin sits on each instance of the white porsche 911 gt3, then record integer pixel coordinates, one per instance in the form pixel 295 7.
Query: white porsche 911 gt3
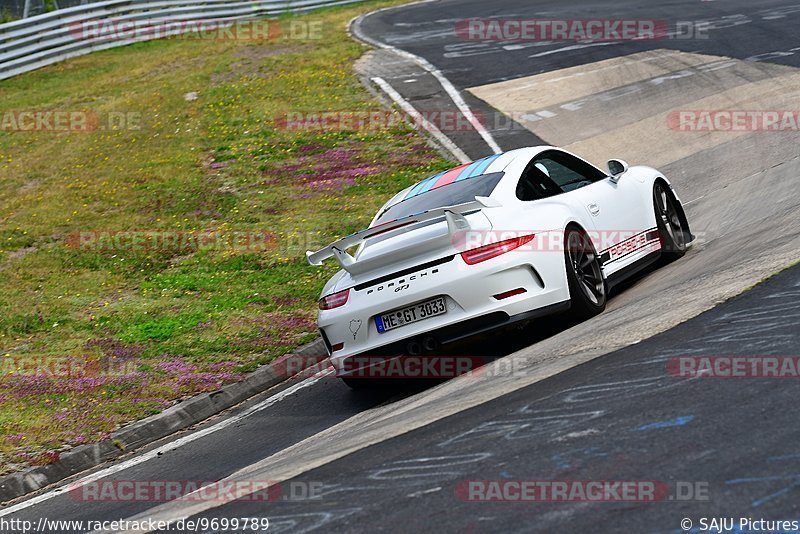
pixel 507 238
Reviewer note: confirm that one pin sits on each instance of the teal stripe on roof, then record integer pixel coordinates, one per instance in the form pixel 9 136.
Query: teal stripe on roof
pixel 484 164
pixel 416 189
pixel 427 184
pixel 467 173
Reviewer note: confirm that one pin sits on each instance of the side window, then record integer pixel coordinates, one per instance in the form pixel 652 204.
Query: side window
pixel 567 172
pixel 535 183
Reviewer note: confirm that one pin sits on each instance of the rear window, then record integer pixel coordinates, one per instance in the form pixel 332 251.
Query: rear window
pixel 447 195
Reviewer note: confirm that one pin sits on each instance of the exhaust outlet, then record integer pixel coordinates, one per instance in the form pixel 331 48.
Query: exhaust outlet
pixel 430 344
pixel 413 348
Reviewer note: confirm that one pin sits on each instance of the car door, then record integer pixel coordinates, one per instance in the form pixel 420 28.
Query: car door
pixel 614 208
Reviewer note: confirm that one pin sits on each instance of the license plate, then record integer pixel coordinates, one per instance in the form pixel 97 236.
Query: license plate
pixel 411 314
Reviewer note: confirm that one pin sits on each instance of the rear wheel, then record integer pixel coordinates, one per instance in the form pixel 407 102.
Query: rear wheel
pixel 670 227
pixel 587 289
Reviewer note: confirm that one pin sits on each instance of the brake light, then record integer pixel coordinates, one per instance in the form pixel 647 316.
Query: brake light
pixel 335 300
pixel 492 250
pixel 512 293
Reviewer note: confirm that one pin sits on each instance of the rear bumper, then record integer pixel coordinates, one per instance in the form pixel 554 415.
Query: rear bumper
pixel 469 292
pixel 353 365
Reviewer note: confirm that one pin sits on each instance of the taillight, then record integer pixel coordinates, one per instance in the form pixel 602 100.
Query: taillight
pixel 512 293
pixel 334 301
pixel 487 252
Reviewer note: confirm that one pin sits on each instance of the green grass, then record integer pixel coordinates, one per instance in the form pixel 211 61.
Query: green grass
pixel 149 326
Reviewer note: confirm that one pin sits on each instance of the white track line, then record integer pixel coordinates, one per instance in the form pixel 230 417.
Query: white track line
pixel 572 47
pixel 406 106
pixel 443 81
pixel 266 403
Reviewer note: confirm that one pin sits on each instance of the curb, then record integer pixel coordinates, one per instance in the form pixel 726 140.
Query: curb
pixel 362 70
pixel 178 417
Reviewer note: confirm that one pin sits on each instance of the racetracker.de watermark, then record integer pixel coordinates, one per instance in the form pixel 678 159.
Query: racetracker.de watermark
pixel 445 120
pixel 734 120
pixel 68 121
pixel 615 242
pixel 68 366
pixel 570 491
pixel 577 30
pixel 130 30
pixel 411 367
pixel 287 244
pixel 172 241
pixel 734 367
pixel 195 491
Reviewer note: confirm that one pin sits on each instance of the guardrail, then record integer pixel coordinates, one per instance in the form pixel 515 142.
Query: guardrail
pixel 35 42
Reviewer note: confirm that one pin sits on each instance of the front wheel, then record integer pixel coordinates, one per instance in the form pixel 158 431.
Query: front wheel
pixel 587 288
pixel 668 220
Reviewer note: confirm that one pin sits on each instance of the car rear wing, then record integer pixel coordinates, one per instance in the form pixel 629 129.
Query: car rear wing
pixel 454 215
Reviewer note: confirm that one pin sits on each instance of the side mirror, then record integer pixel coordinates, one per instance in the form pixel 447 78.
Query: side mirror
pixel 617 167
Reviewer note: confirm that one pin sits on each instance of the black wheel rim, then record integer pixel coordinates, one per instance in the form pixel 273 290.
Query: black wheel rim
pixel 670 221
pixel 586 268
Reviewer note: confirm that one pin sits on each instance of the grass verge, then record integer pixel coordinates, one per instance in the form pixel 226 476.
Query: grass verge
pixel 162 253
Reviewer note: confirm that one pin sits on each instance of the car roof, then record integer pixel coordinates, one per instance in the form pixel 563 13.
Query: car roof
pixel 486 165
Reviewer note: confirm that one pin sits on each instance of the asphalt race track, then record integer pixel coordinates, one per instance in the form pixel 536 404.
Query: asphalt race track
pixel 733 441
pixel 592 401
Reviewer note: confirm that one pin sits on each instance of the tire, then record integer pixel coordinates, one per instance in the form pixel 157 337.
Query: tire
pixel 587 288
pixel 668 221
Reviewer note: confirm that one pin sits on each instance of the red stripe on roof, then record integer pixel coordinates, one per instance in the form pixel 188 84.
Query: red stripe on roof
pixel 450 176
